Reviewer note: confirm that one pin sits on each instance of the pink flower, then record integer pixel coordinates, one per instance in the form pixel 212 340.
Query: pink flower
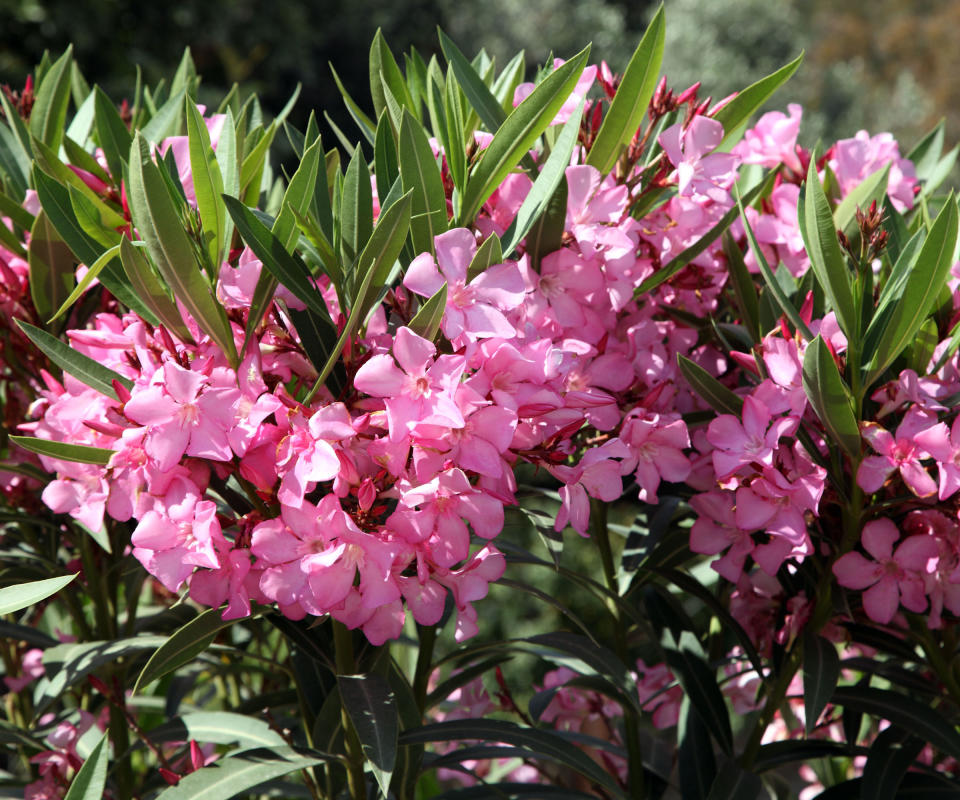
pixel 597 475
pixel 902 452
pixel 893 578
pixel 474 310
pixel 946 450
pixel 751 442
pixel 698 172
pixel 589 75
pixel 656 443
pixel 856 159
pixel 420 392
pixel 773 141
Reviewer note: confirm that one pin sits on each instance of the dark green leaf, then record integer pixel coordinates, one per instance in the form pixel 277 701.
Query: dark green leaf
pixel 90 780
pixel 81 453
pixel 719 397
pixel 744 289
pixel 629 106
pixel 734 784
pixel 52 267
pixel 372 708
pixel 183 646
pixel 151 292
pixel 821 670
pixel 112 134
pixel 83 368
pixel 891 755
pixel 696 765
pixel 356 208
pixel 420 174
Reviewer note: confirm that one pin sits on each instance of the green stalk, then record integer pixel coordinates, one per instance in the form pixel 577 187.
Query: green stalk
pixel 601 534
pixel 347 665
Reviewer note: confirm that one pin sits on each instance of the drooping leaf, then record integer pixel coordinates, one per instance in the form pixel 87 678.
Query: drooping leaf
pixel 518 133
pixel 821 670
pixel 83 368
pixel 629 106
pixel 830 397
pixel 64 451
pixel 23 595
pixel 372 708
pixel 719 397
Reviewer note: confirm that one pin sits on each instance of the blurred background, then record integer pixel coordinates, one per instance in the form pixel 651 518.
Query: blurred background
pixel 875 64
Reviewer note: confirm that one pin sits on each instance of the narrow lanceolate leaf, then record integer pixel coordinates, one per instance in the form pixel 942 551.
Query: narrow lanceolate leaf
pixel 734 783
pixel 356 207
pixel 373 711
pixel 207 185
pixel 52 266
pixel 158 222
pixel 481 99
pixel 91 779
pixel 24 595
pixel 683 258
pixel 387 79
pixel 218 727
pixel 148 287
pixel 827 261
pixel 744 289
pixel 891 754
pixel 736 113
pixel 298 196
pixel 910 715
pixel 719 397
pixel 183 646
pixel 426 322
pixel 91 275
pixel 821 669
pixel 112 134
pixel 234 775
pixel 697 766
pixel 488 253
pixel 894 329
pixel 419 172
pixel 870 189
pixel 83 368
pixel 537 201
pixel 48 119
pixel 285 267
pixel 519 132
pixel 770 279
pixel 629 106
pixel 167 121
pixel 81 453
pixel 829 396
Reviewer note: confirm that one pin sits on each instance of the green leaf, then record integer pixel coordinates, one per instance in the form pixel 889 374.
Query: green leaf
pixel 17 213
pixel 238 773
pixel 419 172
pixel 112 134
pixel 92 273
pixel 520 130
pixel 252 165
pixel 488 253
pixel 81 453
pixel 14 162
pixel 541 743
pixel 696 765
pixel 910 301
pixel 736 113
pixel 364 123
pixel 82 122
pixel 776 754
pixel 48 119
pixel 79 157
pixel 356 208
pixel 733 783
pixel 83 368
pixel 386 78
pixel 456 132
pixel 744 289
pixel 52 267
pixel 821 670
pixel 218 727
pixel 24 595
pixel 916 718
pixel 773 286
pixel 90 780
pixel 165 122
pixel 830 397
pixel 891 754
pixel 148 287
pixel 372 708
pixel 481 99
pixel 207 186
pixel 826 260
pixel 629 106
pixel 285 267
pixel 386 168
pixel 720 398
pixel 299 195
pixel 871 189
pixel 426 322
pixel 169 246
pixel 183 646
pixel 538 199
pixel 685 657
pixel 679 261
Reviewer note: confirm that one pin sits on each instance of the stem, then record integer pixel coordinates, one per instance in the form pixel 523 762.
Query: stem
pixel 421 676
pixel 601 533
pixel 347 665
